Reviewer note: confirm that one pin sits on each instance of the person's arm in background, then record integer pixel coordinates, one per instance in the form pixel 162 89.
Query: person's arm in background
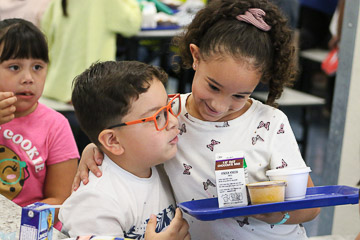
pixel 357 237
pixel 335 40
pixel 46 25
pixel 41 8
pixel 123 16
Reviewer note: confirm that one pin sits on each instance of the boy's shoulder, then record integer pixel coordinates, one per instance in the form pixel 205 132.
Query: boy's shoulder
pixel 100 184
pixel 112 181
pixel 112 186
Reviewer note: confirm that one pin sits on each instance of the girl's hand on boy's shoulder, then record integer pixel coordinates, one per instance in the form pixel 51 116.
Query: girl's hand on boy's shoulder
pixel 7 108
pixel 91 158
pixel 177 230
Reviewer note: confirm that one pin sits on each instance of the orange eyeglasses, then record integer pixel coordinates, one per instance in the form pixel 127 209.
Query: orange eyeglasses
pixel 161 117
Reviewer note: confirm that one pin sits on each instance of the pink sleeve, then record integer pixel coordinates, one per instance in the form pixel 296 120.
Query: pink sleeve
pixel 61 142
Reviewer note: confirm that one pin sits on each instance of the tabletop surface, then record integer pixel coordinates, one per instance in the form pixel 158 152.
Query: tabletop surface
pixel 291 97
pixel 159 33
pixel 317 55
pixel 10 218
pixel 56 105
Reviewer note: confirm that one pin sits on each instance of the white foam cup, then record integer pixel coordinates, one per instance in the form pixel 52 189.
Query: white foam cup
pixel 296 179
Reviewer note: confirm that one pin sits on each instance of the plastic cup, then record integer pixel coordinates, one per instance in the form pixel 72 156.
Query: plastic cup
pixel 296 179
pixel 266 192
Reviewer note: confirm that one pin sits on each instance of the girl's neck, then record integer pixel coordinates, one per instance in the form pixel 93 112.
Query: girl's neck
pixel 26 112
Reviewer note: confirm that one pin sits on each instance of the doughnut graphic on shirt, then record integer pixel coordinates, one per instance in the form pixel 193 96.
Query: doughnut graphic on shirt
pixel 12 173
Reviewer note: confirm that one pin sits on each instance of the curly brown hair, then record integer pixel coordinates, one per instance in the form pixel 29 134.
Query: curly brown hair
pixel 217 32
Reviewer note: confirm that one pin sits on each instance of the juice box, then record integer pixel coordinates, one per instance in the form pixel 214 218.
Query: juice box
pixel 230 173
pixel 37 222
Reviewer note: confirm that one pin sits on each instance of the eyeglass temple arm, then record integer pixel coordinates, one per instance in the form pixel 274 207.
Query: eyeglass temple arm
pixel 117 125
pixel 131 122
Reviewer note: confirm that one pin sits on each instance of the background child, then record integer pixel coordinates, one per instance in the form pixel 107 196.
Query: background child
pixel 38 154
pixel 79 33
pixel 232 46
pixel 124 109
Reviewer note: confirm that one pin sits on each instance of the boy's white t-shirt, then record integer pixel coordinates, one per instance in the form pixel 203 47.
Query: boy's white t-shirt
pixel 118 204
pixel 264 134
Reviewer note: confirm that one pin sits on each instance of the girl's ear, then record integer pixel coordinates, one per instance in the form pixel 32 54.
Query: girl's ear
pixel 110 141
pixel 195 52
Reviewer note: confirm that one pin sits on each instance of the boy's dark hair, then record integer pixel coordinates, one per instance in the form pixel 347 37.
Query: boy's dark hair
pixel 22 39
pixel 217 32
pixel 102 94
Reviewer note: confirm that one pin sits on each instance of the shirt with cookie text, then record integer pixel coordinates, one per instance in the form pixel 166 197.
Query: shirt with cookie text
pixel 27 146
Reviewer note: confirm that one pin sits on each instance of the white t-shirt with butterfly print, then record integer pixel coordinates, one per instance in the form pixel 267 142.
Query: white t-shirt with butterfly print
pixel 264 134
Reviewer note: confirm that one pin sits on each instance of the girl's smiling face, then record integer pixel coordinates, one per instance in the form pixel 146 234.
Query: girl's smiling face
pixel 26 79
pixel 221 87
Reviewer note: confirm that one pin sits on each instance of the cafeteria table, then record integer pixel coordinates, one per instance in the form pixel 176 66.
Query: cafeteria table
pixel 10 218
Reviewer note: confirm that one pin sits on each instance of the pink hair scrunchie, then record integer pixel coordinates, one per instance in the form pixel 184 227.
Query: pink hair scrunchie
pixel 255 16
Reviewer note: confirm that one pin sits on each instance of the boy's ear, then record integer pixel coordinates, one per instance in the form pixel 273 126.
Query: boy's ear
pixel 110 141
pixel 195 52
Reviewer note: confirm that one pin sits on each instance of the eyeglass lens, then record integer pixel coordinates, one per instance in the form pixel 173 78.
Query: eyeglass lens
pixel 162 116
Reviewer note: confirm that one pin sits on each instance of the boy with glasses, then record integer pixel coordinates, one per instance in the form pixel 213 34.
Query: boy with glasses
pixel 124 109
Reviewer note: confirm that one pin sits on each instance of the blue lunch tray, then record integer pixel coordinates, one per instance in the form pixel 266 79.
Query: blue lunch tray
pixel 322 196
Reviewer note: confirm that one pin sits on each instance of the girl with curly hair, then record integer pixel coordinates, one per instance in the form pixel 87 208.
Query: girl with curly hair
pixel 233 45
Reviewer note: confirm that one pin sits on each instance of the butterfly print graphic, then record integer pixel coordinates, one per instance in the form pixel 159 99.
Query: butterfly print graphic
pixel 187 169
pixel 212 144
pixel 225 124
pixel 283 164
pixel 264 125
pixel 244 222
pixel 207 184
pixel 257 138
pixel 281 130
pixel 182 129
pixel 187 116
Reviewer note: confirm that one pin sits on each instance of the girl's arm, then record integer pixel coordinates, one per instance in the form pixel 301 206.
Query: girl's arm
pixel 296 217
pixel 58 180
pixel 91 158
